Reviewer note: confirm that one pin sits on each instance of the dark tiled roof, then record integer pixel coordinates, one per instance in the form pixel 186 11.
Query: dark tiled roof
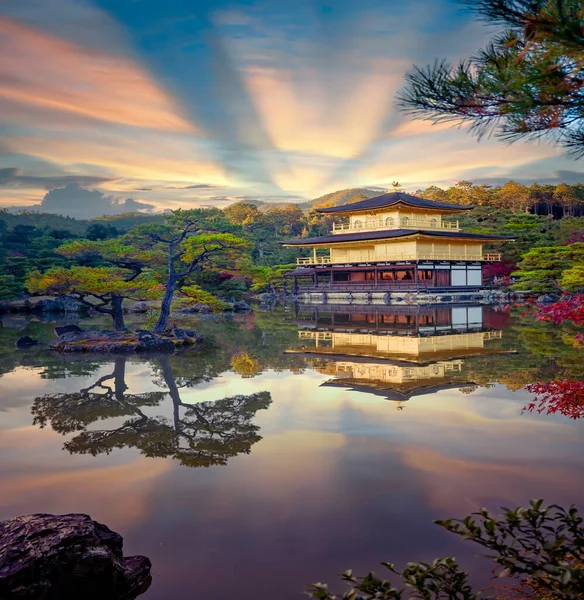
pixel 391 199
pixel 392 233
pixel 300 271
pixel 392 393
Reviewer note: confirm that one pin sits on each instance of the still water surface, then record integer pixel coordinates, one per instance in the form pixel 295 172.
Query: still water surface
pixel 291 446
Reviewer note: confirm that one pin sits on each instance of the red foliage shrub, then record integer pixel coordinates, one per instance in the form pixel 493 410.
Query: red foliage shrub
pixel 565 396
pixel 499 270
pixel 569 308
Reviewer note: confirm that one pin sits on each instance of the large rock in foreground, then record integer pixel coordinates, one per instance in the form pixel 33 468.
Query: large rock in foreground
pixel 67 557
pixel 123 341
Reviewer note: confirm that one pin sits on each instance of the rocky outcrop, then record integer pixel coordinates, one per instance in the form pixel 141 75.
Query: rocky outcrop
pixel 67 557
pixel 72 328
pixel 43 305
pixel 61 304
pixel 548 298
pixel 24 342
pixel 241 306
pixel 119 342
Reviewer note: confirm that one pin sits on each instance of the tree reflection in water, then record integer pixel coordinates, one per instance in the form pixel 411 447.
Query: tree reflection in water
pixel 198 435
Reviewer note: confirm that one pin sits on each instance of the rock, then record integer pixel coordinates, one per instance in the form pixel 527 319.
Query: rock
pixel 138 308
pixel 67 557
pixel 241 306
pixel 113 342
pixel 548 298
pixel 61 304
pixel 189 336
pixel 25 342
pixel 68 329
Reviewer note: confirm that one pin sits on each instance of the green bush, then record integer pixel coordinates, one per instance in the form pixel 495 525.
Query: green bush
pixel 541 547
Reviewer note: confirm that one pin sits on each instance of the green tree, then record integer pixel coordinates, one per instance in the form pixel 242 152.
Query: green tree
pixel 126 274
pixel 100 231
pixel 101 288
pixel 527 82
pixel 551 269
pixel 189 240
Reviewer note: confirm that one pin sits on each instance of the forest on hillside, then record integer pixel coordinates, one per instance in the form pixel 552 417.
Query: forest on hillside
pixel 540 216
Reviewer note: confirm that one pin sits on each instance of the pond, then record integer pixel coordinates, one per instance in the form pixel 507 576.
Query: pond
pixel 294 443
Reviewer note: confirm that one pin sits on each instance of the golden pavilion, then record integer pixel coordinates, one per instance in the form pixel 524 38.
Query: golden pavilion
pixel 393 244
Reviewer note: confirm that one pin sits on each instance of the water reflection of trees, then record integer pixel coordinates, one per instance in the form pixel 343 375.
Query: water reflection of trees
pixel 198 435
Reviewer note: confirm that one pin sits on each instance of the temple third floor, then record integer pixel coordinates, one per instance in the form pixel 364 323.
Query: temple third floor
pixel 394 211
pixel 394 220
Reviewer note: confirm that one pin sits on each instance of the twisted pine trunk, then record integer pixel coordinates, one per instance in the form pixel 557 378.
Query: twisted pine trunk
pixel 117 313
pixel 168 295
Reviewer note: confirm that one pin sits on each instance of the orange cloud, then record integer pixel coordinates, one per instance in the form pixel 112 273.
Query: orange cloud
pixel 42 71
pixel 149 155
pixel 460 485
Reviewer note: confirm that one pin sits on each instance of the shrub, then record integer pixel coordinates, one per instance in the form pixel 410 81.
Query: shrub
pixel 542 546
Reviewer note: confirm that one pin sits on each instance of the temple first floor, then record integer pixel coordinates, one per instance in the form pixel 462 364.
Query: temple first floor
pixel 389 276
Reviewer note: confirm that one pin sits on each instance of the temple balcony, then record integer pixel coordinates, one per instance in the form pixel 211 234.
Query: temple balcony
pixel 326 260
pixel 391 223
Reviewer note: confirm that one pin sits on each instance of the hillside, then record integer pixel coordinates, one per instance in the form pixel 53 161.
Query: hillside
pixel 340 197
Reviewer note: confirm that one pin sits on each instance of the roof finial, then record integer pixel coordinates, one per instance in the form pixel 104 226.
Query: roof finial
pixel 397 187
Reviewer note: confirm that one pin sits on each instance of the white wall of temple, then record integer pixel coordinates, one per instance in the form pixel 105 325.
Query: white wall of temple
pixel 389 250
pixel 396 374
pixel 406 218
pixel 408 346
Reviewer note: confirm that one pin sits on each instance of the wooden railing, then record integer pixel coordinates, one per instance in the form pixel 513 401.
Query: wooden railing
pixel 319 260
pixel 401 223
pixel 326 260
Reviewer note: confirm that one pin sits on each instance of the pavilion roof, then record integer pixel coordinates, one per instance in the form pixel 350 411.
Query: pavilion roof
pixel 391 199
pixel 384 234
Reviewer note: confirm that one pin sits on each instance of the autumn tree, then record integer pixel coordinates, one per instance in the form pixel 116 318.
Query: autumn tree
pixel 189 240
pixel 514 196
pixel 126 274
pixel 528 82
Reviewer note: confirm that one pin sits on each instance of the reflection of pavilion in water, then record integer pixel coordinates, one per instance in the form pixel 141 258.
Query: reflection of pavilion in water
pixel 397 352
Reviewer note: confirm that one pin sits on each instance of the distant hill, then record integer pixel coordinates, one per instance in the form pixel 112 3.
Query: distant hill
pixel 122 222
pixel 339 198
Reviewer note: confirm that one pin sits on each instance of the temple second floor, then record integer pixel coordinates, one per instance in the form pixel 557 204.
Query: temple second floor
pixel 415 349
pixel 396 245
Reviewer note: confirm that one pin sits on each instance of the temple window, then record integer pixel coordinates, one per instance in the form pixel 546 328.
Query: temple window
pixel 389 222
pixel 405 221
pixel 358 224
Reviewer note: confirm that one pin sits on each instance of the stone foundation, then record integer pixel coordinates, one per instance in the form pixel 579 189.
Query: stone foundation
pixel 411 297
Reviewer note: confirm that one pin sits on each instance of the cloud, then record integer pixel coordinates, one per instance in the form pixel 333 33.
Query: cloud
pixel 42 71
pixel 196 186
pixel 261 101
pixel 10 177
pixel 79 203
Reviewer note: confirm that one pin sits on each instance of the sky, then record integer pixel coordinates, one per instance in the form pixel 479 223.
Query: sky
pixel 116 105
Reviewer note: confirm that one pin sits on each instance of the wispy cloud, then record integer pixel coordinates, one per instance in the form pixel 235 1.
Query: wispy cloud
pixel 53 74
pixel 185 104
pixel 11 177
